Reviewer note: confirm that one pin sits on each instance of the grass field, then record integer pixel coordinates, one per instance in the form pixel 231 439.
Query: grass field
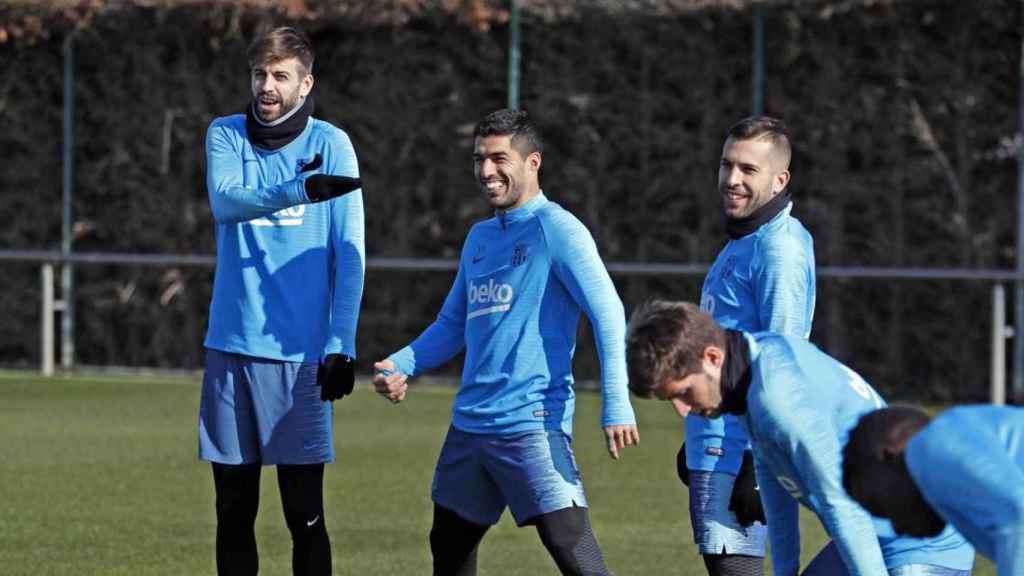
pixel 99 475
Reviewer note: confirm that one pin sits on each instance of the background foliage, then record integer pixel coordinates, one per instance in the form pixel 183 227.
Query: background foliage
pixel 903 113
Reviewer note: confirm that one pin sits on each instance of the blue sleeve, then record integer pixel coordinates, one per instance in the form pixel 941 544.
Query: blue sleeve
pixel 577 265
pixel 230 200
pixel 443 339
pixel 348 245
pixel 980 486
pixel 785 285
pixel 807 434
pixel 783 515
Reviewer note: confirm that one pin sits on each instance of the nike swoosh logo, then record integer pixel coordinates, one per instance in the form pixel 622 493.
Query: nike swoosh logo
pixel 313 521
pixel 477 259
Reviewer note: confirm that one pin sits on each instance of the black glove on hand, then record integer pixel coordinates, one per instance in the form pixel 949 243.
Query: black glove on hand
pixel 320 187
pixel 681 469
pixel 745 501
pixel 336 376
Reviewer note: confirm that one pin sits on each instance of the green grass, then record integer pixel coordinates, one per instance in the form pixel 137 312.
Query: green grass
pixel 99 475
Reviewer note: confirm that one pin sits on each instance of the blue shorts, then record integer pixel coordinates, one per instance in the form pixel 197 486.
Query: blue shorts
pixel 828 562
pixel 254 410
pixel 532 473
pixel 715 528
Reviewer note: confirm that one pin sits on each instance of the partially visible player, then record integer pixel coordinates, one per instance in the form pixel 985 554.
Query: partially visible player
pixel 284 191
pixel 797 404
pixel 966 468
pixel 524 277
pixel 762 280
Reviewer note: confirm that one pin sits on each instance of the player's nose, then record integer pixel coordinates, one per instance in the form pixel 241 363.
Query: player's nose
pixel 682 408
pixel 735 177
pixel 487 169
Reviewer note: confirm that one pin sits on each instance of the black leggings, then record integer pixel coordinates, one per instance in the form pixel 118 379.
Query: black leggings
pixel 566 534
pixel 238 497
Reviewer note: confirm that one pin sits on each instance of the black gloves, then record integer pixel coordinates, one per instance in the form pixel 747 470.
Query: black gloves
pixel 336 376
pixel 745 501
pixel 320 187
pixel 681 469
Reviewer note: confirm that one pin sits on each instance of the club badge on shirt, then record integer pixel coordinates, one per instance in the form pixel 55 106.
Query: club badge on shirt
pixel 519 254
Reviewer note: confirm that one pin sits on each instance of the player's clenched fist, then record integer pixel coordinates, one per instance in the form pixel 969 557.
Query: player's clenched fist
pixel 388 382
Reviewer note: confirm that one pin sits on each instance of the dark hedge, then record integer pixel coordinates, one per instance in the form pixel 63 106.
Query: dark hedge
pixel 904 117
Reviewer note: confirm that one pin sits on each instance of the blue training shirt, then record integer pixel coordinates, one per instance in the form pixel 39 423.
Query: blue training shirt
pixel 523 278
pixel 801 405
pixel 969 465
pixel 289 276
pixel 761 282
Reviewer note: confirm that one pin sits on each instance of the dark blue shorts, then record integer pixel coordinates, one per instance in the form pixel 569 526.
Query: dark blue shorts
pixel 259 411
pixel 532 473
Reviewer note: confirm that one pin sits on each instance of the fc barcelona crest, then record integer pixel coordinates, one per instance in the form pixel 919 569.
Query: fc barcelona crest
pixel 728 267
pixel 519 254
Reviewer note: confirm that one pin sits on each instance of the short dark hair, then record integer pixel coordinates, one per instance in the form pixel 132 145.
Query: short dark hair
pixel 764 127
pixel 280 44
pixel 526 137
pixel 874 470
pixel 666 341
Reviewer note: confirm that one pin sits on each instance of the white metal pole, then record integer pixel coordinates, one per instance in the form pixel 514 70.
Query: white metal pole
pixel 998 344
pixel 46 321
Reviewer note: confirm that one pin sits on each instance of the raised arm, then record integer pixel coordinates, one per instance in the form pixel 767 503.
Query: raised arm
pixel 230 199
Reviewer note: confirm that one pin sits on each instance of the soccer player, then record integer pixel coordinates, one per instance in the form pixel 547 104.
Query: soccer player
pixel 523 278
pixel 966 468
pixel 762 280
pixel 797 405
pixel 284 191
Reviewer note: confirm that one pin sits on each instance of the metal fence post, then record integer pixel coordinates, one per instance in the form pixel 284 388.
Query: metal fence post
pixel 513 55
pixel 46 320
pixel 999 334
pixel 67 318
pixel 758 65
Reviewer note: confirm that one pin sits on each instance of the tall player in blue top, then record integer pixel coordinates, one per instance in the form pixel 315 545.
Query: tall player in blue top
pixel 797 405
pixel 523 278
pixel 763 280
pixel 284 191
pixel 966 468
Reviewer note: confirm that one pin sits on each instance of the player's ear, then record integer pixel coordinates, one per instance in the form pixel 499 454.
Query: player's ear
pixel 306 85
pixel 714 355
pixel 533 160
pixel 780 181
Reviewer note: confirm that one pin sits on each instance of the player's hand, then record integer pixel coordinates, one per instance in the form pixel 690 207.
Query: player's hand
pixel 681 468
pixel 389 382
pixel 745 501
pixel 336 376
pixel 619 436
pixel 320 187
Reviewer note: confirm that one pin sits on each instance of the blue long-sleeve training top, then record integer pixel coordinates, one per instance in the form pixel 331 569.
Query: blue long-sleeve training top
pixel 801 405
pixel 523 278
pixel 969 465
pixel 761 282
pixel 289 275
